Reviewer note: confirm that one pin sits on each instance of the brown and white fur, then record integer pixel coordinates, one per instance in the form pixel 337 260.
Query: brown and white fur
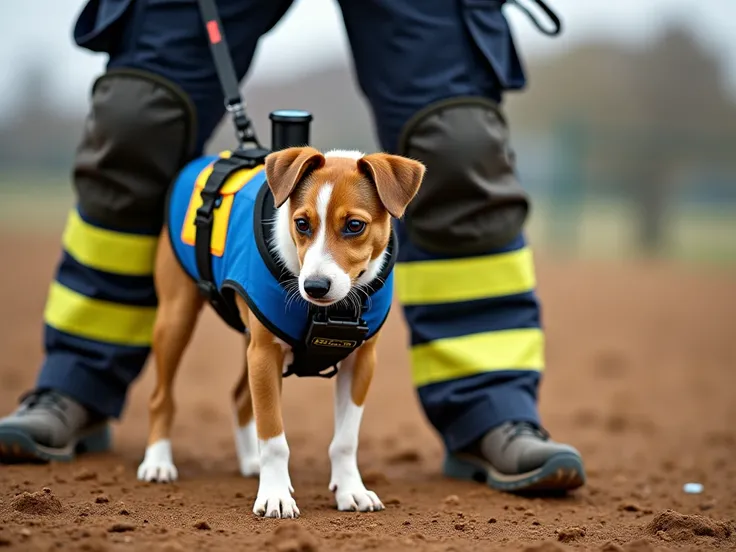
pixel 327 191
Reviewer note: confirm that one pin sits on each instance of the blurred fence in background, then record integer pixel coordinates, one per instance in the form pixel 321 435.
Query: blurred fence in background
pixel 626 152
pixel 612 193
pixel 625 192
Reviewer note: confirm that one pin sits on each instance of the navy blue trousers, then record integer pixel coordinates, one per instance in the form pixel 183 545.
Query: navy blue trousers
pixel 477 353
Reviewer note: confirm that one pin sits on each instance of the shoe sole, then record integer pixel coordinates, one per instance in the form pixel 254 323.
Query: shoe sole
pixel 17 447
pixel 562 472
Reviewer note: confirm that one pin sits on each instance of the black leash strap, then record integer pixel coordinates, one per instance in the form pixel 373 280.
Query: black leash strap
pixel 226 73
pixel 248 155
pixel 547 10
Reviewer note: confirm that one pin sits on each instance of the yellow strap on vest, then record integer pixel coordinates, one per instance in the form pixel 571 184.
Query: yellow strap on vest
pixel 222 214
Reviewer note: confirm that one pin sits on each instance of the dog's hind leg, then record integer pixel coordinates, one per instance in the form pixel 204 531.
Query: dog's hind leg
pixel 179 304
pixel 246 437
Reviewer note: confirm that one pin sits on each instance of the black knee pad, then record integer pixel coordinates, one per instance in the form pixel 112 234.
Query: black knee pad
pixel 139 132
pixel 470 200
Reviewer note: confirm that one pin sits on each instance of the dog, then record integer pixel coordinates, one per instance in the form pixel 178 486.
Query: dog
pixel 328 239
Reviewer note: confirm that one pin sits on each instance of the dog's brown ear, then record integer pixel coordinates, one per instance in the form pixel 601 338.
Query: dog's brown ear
pixel 286 168
pixel 397 179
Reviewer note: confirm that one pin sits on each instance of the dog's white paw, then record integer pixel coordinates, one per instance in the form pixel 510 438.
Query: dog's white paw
pixel 250 467
pixel 354 497
pixel 274 488
pixel 164 472
pixel 276 505
pixel 158 465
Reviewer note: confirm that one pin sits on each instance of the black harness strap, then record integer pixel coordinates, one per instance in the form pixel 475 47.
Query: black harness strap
pixel 211 198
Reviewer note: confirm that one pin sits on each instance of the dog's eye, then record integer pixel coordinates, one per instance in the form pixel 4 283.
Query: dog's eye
pixel 354 227
pixel 302 225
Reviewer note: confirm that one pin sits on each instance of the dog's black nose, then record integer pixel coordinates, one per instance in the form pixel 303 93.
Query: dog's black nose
pixel 317 287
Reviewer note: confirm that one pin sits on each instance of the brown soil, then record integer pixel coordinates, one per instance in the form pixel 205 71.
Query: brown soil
pixel 671 525
pixel 36 504
pixel 641 379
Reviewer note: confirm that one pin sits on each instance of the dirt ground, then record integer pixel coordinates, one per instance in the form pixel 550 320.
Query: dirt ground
pixel 641 378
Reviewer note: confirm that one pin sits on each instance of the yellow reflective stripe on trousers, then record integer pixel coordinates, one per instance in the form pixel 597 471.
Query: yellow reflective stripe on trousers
pixel 465 279
pixel 76 314
pixel 107 250
pixel 468 355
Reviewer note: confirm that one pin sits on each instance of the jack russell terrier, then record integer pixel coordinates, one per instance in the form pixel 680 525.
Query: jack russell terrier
pixel 301 251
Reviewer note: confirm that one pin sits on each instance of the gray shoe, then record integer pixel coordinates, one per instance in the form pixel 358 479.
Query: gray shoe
pixel 518 457
pixel 50 426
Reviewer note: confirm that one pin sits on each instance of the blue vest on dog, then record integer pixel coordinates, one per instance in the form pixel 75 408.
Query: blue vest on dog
pixel 241 260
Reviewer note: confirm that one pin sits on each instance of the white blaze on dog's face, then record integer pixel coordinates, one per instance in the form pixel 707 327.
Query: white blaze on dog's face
pixel 336 209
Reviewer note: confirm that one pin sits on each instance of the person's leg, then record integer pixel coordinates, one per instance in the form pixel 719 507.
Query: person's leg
pixel 151 111
pixel 434 73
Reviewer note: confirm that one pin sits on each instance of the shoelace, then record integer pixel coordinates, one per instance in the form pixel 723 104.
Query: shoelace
pixel 520 429
pixel 49 401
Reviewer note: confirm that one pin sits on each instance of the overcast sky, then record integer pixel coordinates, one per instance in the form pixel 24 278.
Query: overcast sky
pixel 312 33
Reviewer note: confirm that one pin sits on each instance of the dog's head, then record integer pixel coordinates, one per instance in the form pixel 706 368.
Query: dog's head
pixel 334 215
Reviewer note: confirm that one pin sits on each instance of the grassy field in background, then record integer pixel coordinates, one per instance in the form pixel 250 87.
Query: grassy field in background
pixel 595 229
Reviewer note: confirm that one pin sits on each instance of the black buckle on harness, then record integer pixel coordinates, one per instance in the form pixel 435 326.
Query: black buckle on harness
pixel 327 334
pixel 205 213
pixel 207 289
pixel 243 125
pixel 329 339
pixel 221 170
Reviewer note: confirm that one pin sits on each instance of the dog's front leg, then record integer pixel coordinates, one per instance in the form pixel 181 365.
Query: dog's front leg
pixel 274 488
pixel 265 359
pixel 353 381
